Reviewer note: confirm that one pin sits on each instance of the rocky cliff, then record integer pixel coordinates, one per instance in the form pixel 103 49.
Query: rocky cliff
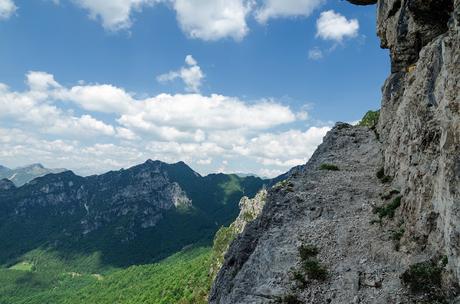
pixel 249 211
pixel 373 217
pixel 420 121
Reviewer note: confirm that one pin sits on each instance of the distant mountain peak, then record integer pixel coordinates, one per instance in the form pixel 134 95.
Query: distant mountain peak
pixel 37 165
pixel 25 174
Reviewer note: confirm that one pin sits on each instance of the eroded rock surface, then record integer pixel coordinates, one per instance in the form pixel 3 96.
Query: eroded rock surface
pixel 331 210
pixel 413 254
pixel 420 122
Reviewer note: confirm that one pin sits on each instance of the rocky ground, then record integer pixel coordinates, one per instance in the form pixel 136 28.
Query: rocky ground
pixel 332 211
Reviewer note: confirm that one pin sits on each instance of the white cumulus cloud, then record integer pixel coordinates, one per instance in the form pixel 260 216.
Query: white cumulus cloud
pixel 7 9
pixel 333 26
pixel 191 75
pixel 96 127
pixel 286 8
pixel 213 19
pixel 114 14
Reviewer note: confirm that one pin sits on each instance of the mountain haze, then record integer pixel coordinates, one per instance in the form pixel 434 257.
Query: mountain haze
pixel 23 175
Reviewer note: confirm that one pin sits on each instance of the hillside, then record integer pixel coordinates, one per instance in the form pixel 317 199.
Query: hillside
pixel 181 278
pixel 43 276
pixel 121 218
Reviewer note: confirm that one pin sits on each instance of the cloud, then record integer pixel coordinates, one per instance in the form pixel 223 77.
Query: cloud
pixel 182 112
pixel 213 19
pixel 200 19
pixel 191 75
pixel 286 8
pixel 40 81
pixel 35 109
pixel 333 26
pixel 114 14
pixel 288 148
pixel 315 54
pixel 92 128
pixel 103 98
pixel 7 9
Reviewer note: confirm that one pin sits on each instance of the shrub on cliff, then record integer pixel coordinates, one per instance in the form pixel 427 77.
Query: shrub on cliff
pixel 370 119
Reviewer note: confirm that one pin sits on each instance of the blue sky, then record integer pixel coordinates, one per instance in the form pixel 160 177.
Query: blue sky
pixel 232 86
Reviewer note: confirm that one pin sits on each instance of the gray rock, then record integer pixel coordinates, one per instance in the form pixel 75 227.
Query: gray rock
pixel 361 262
pixel 419 148
pixel 420 121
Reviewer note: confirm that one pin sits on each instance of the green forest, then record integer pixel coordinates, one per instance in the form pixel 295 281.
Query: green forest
pixel 44 278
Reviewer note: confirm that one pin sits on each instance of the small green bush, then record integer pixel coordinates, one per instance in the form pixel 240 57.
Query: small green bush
pixel 444 260
pixel 308 251
pixel 396 236
pixel 370 119
pixel 423 277
pixel 329 167
pixel 388 210
pixel 315 270
pixel 300 278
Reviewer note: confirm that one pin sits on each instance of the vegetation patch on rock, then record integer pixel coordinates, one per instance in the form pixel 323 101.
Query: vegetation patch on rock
pixel 389 209
pixel 425 279
pixel 370 119
pixel 311 267
pixel 329 167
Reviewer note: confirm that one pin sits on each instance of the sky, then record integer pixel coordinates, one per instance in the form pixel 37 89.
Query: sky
pixel 247 86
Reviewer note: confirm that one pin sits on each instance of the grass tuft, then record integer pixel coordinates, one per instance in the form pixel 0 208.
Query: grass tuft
pixel 307 251
pixel 329 167
pixel 388 210
pixel 315 270
pixel 423 277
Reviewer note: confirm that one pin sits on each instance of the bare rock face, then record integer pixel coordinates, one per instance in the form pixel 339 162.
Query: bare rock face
pixel 250 208
pixel 420 121
pixel 331 210
pixel 413 254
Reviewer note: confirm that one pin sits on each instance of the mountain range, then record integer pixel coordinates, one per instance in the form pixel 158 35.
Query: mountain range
pixel 22 175
pixel 126 217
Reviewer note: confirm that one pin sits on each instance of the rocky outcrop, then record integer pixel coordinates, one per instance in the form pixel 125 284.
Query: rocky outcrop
pixel 381 223
pixel 139 196
pixel 249 210
pixel 420 122
pixel 331 210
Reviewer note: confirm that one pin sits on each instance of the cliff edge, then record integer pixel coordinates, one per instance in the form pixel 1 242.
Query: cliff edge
pixel 374 216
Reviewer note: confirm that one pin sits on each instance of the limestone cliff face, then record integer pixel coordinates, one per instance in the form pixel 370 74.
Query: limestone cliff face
pixel 420 121
pixel 250 208
pixel 348 235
